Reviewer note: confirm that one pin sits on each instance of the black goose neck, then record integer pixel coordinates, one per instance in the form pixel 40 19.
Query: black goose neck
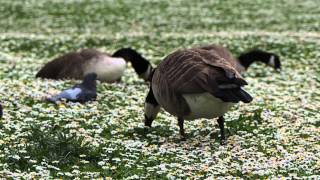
pixel 139 63
pixel 150 97
pixel 246 59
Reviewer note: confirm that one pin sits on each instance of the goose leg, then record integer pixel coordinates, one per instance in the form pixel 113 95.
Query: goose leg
pixel 180 123
pixel 221 126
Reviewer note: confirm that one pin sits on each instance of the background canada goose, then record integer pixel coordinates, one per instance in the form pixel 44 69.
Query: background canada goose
pixel 86 91
pixel 271 59
pixel 196 83
pixel 247 58
pixel 109 68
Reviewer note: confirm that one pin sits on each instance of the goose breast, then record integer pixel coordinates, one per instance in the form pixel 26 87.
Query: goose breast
pixel 205 105
pixel 108 69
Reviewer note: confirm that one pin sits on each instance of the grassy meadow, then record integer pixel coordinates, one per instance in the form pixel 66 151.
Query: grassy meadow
pixel 276 135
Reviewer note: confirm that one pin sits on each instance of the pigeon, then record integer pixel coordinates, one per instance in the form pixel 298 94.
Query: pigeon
pixel 84 92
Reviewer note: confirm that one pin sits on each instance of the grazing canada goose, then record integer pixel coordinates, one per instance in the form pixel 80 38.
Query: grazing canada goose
pixel 86 91
pixel 194 83
pixel 109 68
pixel 271 59
pixel 247 58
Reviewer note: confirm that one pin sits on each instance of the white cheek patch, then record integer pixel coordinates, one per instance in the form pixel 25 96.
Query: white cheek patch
pixel 271 61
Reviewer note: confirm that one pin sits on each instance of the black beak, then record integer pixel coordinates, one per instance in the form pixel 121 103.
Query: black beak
pixel 147 121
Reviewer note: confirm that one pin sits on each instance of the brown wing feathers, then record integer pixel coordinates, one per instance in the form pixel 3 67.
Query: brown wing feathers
pixel 200 70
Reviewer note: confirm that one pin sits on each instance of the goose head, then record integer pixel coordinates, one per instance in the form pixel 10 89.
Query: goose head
pixel 274 61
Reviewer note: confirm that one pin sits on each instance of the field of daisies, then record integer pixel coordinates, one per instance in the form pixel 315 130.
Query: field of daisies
pixel 276 135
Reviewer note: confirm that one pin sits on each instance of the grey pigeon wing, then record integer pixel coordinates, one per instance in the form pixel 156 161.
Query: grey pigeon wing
pixel 70 94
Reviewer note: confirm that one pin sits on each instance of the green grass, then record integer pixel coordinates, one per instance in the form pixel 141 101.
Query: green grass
pixel 110 16
pixel 275 135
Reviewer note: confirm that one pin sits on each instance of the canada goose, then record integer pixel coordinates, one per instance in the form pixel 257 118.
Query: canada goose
pixel 86 91
pixel 109 68
pixel 247 58
pixel 271 59
pixel 196 83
